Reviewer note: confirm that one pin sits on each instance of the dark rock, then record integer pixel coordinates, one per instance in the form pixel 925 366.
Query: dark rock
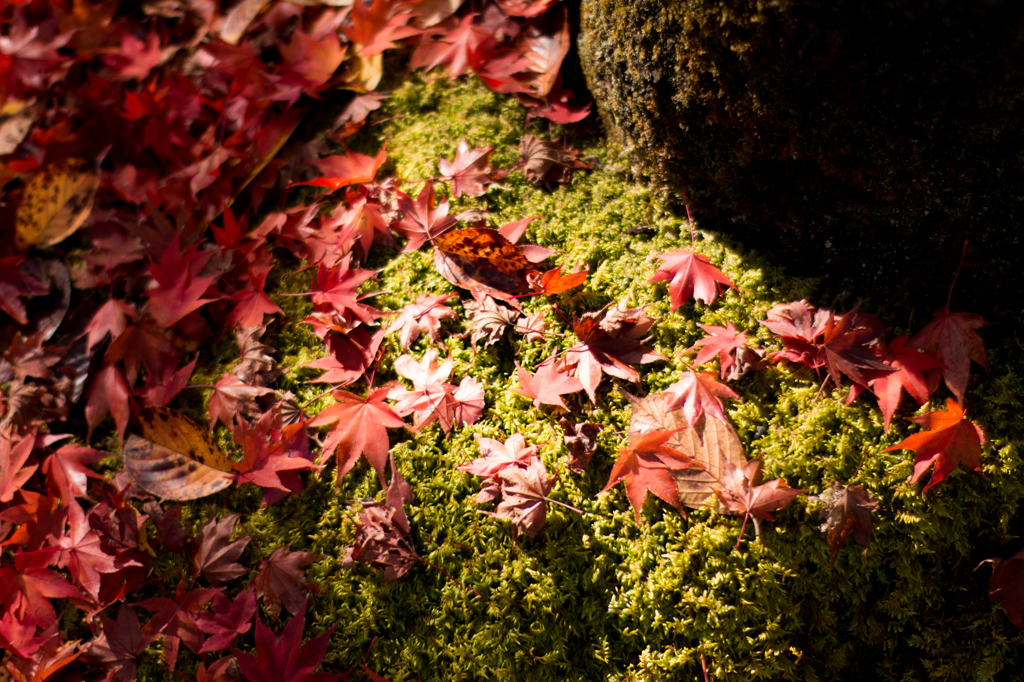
pixel 857 141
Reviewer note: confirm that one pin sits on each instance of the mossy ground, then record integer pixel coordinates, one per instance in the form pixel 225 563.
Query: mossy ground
pixel 597 596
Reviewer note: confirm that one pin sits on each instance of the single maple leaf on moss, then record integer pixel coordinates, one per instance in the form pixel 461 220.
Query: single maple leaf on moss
pixel 950 338
pixel 743 493
pixel 949 440
pixel 690 274
pixel 646 466
pixel 847 512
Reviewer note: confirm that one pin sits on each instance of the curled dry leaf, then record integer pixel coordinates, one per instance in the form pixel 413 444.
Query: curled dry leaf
pixel 173 457
pixel 57 200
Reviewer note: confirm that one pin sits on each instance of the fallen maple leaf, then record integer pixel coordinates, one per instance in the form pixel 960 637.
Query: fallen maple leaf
pixel 847 512
pixel 543 162
pixel 488 321
pixel 548 385
pixel 118 645
pixel 285 658
pixel 581 442
pixel 646 466
pixel 554 282
pixel 361 429
pixel 524 491
pixel 949 440
pixel 908 364
pixel 697 393
pixel 723 342
pixel 215 555
pixel 469 171
pixel 743 493
pixel 422 315
pixel 497 455
pixel 950 339
pixel 279 580
pixel 544 42
pixel 1006 586
pixel 226 619
pixel 351 169
pixel 383 535
pixel 14 452
pixel 690 274
pixel 422 221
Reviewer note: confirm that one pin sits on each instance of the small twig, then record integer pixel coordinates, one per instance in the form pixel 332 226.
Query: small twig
pixel 455 580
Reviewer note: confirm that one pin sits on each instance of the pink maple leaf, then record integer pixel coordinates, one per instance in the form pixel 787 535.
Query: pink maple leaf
pixel 690 274
pixel 697 393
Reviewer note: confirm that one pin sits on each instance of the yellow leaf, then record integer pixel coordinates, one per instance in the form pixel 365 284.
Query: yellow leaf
pixel 57 201
pixel 173 457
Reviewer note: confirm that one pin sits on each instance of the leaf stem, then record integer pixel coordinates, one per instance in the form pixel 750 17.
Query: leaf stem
pixel 949 298
pixel 455 580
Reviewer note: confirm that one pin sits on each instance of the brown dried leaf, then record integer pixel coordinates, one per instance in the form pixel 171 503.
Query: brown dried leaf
pixel 175 458
pixel 57 201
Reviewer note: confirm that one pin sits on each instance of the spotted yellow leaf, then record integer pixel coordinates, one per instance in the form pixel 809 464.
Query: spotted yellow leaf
pixel 57 201
pixel 173 457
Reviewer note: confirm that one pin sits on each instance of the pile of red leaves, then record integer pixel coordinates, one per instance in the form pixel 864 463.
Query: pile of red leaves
pixel 144 158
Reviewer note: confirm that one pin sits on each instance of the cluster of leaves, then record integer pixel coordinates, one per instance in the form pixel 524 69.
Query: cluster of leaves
pixel 137 141
pixel 140 144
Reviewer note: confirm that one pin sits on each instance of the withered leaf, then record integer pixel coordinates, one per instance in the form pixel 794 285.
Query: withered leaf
pixel 480 259
pixel 488 320
pixel 173 457
pixel 847 512
pixel 57 200
pixel 581 442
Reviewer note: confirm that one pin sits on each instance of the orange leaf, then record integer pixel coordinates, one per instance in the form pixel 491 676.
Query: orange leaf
pixel 949 440
pixel 554 282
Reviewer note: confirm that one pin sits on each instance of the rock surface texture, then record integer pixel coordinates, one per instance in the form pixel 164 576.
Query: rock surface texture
pixel 859 141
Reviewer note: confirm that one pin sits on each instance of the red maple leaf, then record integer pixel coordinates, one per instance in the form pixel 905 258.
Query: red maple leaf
pixel 646 466
pixel 697 393
pixel 433 398
pixel 421 220
pixel 252 303
pixel 497 455
pixel 361 429
pixel 180 288
pixel 457 48
pixel 264 461
pixel 108 394
pixel 362 222
pixel 849 344
pixel 351 169
pixel 35 584
pixel 82 553
pixel 215 554
pixel 908 364
pixel 67 470
pixel 280 582
pixel 118 645
pixel 14 452
pixel 524 492
pixel 15 285
pixel 335 289
pixel 743 493
pixel 285 658
pixel 949 440
pixel 470 172
pixel 847 512
pixel 1006 585
pixel 690 274
pixel 422 315
pixel 609 343
pixel 161 388
pixel 950 338
pixel 375 28
pixel 548 385
pixel 226 619
pixel 723 342
pixel 175 619
pixel 383 535
pixel 232 396
pixel 141 345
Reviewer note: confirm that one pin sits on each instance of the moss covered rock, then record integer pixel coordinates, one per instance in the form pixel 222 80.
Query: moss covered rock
pixel 858 141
